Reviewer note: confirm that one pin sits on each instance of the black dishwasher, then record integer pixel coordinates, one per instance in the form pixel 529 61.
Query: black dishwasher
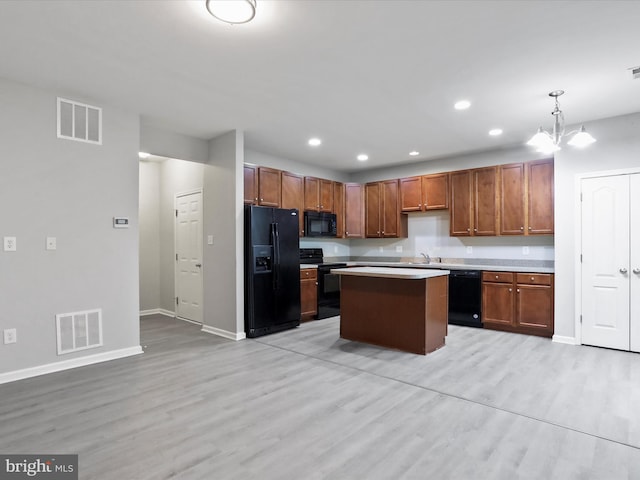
pixel 465 298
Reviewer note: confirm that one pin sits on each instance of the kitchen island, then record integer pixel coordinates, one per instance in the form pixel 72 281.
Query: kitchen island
pixel 401 308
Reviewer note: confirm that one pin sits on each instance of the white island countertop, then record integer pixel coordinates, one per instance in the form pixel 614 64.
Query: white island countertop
pixel 388 272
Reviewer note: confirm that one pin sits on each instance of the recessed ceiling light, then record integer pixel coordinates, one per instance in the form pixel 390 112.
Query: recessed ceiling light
pixel 462 105
pixel 495 132
pixel 362 157
pixel 232 11
pixel 314 142
pixel 143 154
pixel 414 153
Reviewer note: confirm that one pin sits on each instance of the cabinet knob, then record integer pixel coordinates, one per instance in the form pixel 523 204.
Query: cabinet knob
pixel 521 228
pixel 511 290
pixel 321 206
pixel 256 199
pixel 623 270
pixel 636 270
pixel 383 232
pixel 518 290
pixel 497 277
pixel 533 279
pixel 468 229
pixel 262 199
pixel 316 283
pixel 475 229
pixel 529 228
pixel 346 233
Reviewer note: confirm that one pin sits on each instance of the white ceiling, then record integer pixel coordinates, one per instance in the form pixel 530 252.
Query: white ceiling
pixel 378 77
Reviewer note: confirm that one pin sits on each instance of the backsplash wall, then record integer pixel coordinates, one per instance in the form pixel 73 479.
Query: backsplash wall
pixel 429 233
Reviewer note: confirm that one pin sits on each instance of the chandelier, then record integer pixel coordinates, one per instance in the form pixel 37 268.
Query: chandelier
pixel 549 142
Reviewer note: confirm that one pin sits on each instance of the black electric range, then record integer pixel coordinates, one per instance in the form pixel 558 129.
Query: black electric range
pixel 328 283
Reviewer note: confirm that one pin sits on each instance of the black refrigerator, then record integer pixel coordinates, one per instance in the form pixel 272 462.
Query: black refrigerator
pixel 272 270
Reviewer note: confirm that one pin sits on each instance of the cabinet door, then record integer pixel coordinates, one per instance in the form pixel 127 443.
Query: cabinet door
pixel 411 194
pixel 338 208
pixel 497 303
pixel 435 191
pixel 353 210
pixel 512 199
pixel 372 209
pixel 250 185
pixel 540 197
pixel 461 206
pixel 269 186
pixel 325 194
pixel 534 307
pixel 311 194
pixel 390 211
pixel 485 202
pixel 308 292
pixel 293 196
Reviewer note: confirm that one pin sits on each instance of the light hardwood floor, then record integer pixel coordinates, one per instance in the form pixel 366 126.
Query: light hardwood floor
pixel 304 404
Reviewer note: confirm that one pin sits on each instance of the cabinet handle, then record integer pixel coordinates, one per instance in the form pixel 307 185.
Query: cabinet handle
pixel 623 270
pixel 636 270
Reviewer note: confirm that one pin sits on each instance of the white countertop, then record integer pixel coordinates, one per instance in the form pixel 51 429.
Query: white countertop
pixel 387 272
pixel 455 266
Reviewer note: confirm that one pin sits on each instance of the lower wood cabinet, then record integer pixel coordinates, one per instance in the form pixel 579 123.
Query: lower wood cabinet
pixel 518 302
pixel 308 293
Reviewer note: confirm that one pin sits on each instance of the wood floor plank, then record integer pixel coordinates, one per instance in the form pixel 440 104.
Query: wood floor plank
pixel 306 404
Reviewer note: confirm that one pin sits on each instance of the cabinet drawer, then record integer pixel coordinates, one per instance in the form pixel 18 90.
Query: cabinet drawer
pixel 308 273
pixel 534 278
pixel 497 277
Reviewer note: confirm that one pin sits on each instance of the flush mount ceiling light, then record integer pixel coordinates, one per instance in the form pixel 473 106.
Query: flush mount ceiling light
pixel 549 142
pixel 232 11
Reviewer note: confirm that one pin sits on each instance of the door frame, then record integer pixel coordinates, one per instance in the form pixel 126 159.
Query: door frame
pixel 175 251
pixel 577 270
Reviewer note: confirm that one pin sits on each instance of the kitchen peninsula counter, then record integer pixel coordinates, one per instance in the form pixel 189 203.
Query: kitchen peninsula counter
pixel 402 308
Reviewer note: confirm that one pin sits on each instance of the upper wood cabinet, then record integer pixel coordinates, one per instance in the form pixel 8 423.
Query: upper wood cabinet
pixel 250 184
pixel 474 197
pixel 318 194
pixel 353 210
pixel 526 204
pixel 338 208
pixel 427 192
pixel 382 210
pixel 293 196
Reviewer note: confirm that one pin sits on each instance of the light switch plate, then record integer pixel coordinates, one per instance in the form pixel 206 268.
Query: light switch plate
pixel 209 239
pixel 10 244
pixel 10 336
pixel 525 250
pixel 469 250
pixel 52 243
pixel 398 248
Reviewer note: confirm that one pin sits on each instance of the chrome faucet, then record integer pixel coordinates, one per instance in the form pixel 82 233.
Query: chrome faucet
pixel 427 258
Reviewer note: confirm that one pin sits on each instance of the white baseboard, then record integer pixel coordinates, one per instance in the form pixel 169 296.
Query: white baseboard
pixel 565 340
pixel 157 311
pixel 188 321
pixel 68 364
pixel 224 333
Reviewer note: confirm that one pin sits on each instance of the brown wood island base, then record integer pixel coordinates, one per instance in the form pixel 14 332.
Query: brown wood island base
pixel 405 309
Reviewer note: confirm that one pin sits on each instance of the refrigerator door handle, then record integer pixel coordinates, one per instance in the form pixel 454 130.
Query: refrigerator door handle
pixel 275 242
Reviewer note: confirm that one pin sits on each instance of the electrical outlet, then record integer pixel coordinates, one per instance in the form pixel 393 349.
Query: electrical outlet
pixel 10 244
pixel 10 336
pixel 335 249
pixel 52 243
pixel 469 250
pixel 380 249
pixel 398 248
pixel 209 239
pixel 525 250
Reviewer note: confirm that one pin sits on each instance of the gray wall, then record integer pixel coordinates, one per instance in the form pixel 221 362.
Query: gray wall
pixel 169 144
pixel 149 235
pixel 292 166
pixel 223 210
pixel 70 190
pixel 618 147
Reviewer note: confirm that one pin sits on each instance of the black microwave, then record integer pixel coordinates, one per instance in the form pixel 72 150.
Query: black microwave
pixel 320 224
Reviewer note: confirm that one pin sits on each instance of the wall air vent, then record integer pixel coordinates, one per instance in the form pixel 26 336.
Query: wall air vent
pixel 80 122
pixel 79 330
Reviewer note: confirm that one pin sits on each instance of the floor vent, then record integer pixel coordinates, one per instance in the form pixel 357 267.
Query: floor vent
pixel 80 122
pixel 79 331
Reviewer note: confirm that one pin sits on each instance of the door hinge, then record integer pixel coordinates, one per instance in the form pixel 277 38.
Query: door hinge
pixel 580 196
pixel 580 258
pixel 176 300
pixel 580 318
pixel 176 213
pixel 177 257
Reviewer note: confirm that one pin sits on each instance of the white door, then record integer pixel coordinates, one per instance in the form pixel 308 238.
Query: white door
pixel 634 191
pixel 605 262
pixel 189 256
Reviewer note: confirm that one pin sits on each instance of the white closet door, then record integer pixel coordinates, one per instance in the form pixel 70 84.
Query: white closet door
pixel 634 190
pixel 605 262
pixel 189 256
